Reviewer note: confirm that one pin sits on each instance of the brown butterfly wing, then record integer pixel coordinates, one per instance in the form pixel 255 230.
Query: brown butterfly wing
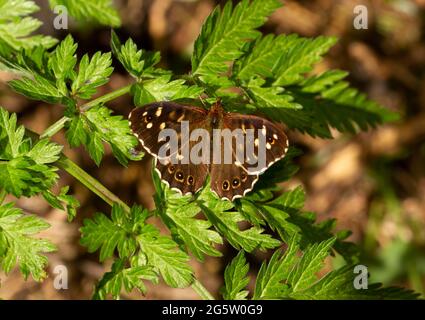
pixel 272 148
pixel 230 181
pixel 186 178
pixel 147 122
pixel 235 180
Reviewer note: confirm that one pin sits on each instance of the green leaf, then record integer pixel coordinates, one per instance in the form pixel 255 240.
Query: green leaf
pixel 225 32
pixel 178 213
pixel 311 105
pixel 339 106
pixel 236 279
pixel 164 89
pixel 115 131
pixel 321 82
pixel 11 137
pixel 92 73
pixel 37 88
pixel 95 147
pixel 16 27
pixel 304 274
pixel 76 134
pixel 121 277
pixel 111 234
pixel 127 233
pixel 226 222
pixel 100 11
pixel 17 246
pixel 338 284
pixel 161 253
pixel 300 59
pixel 137 62
pixel 284 214
pixel 270 97
pixel 98 124
pixel 63 201
pixel 287 273
pixel 63 61
pixel 290 276
pixel 25 169
pixel 262 56
pixel 45 151
pixel 22 176
pixel 270 282
pixel 335 106
pixel 45 76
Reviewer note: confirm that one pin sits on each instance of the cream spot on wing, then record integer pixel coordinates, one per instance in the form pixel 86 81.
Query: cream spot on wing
pixel 238 163
pixel 275 136
pixel 158 112
pixel 145 114
pixel 268 146
pixel 243 128
pixel 180 157
pixel 162 126
pixel 263 130
pixel 256 142
pixel 180 118
pixel 149 125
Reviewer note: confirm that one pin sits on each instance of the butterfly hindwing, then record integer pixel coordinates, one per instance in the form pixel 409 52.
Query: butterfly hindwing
pixel 186 178
pixel 230 181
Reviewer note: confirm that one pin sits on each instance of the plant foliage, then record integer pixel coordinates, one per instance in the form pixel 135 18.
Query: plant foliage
pixel 273 75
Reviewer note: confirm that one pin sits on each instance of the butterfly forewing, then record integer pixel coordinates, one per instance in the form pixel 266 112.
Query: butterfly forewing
pixel 148 121
pixel 265 141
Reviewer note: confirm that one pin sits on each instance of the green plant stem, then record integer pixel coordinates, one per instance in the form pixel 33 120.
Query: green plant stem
pixel 54 128
pixel 107 97
pixel 58 125
pixel 90 182
pixel 201 291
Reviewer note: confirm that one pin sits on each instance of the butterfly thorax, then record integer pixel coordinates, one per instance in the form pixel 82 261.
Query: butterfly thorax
pixel 216 114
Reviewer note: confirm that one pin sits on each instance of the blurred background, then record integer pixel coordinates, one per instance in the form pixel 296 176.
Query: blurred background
pixel 373 183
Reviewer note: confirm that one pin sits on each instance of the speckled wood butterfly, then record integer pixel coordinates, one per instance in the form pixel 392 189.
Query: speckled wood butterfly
pixel 233 164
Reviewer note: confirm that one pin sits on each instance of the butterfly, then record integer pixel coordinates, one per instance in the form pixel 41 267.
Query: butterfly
pixel 232 177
